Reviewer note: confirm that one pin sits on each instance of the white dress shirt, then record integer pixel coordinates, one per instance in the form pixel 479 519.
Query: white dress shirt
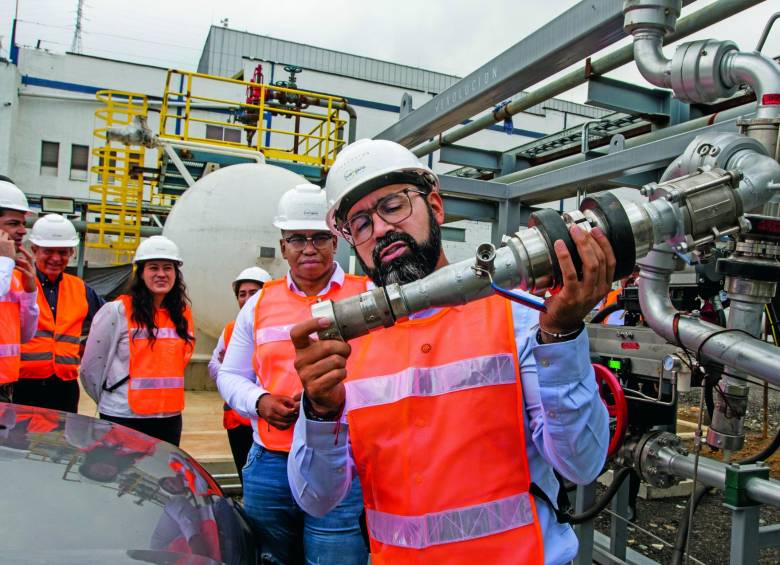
pixel 28 305
pixel 236 379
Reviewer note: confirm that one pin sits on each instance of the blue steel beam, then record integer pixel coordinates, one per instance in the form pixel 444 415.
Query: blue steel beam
pixel 470 157
pixel 579 32
pixel 564 182
pixel 628 98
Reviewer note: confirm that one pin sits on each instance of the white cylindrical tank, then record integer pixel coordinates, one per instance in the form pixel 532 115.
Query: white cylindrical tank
pixel 223 224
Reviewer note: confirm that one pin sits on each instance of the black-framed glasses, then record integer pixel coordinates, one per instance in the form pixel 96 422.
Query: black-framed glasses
pixel 393 209
pixel 298 242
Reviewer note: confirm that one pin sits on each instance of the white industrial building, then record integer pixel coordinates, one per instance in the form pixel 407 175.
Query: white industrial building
pixel 47 101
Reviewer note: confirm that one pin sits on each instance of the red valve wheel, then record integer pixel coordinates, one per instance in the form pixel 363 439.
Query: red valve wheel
pixel 613 398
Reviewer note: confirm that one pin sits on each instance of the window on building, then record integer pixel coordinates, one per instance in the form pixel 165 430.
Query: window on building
pixel 79 162
pixel 232 135
pixel 453 234
pixel 111 168
pixel 50 156
pixel 214 132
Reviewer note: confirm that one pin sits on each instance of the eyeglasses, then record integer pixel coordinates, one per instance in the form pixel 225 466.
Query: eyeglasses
pixel 393 209
pixel 318 240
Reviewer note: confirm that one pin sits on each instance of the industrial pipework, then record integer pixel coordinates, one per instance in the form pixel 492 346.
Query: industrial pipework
pixel 686 216
pixel 704 71
pixel 701 71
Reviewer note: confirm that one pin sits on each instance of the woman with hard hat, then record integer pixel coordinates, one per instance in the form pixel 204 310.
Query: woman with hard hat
pixel 238 427
pixel 139 345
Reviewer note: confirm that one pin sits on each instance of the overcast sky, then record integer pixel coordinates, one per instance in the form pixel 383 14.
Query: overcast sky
pixel 450 36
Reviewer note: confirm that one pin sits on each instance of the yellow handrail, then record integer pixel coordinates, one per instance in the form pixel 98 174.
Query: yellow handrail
pixel 114 222
pixel 300 133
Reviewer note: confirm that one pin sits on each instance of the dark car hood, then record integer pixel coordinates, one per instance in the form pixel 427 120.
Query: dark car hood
pixel 79 486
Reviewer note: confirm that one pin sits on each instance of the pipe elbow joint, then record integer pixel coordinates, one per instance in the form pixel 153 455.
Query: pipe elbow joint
pixel 759 72
pixel 650 59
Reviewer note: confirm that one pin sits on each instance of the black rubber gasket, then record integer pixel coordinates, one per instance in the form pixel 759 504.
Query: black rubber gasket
pixel 553 228
pixel 754 271
pixel 619 231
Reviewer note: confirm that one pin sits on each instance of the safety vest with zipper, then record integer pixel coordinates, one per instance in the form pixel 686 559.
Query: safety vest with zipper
pixel 230 418
pixel 156 371
pixel 436 425
pixel 10 331
pixel 54 350
pixel 276 312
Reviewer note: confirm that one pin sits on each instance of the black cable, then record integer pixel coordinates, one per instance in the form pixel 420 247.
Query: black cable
pixel 601 315
pixel 605 498
pixel 682 531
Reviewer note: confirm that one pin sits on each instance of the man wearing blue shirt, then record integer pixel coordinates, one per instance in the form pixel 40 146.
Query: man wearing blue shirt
pixel 429 413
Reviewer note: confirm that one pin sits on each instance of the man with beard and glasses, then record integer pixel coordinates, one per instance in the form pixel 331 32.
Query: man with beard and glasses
pixel 258 380
pixel 456 419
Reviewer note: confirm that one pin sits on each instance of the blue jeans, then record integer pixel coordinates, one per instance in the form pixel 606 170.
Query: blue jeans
pixel 289 535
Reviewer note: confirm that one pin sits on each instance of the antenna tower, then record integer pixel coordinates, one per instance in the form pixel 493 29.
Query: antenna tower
pixel 75 46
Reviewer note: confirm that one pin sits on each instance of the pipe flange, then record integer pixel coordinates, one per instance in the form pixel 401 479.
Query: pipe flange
pixel 714 150
pixel 696 71
pixel 742 121
pixel 657 14
pixel 619 231
pixel 648 460
pixel 760 271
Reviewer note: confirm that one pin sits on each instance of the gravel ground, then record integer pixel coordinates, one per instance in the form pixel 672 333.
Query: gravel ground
pixel 711 534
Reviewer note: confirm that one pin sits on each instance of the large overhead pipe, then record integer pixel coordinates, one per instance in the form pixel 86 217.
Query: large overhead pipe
pixel 697 21
pixel 699 71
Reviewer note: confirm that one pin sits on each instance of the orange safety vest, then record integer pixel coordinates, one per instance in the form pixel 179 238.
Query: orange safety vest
pixel 10 331
pixel 435 412
pixel 157 369
pixel 276 312
pixel 55 348
pixel 610 299
pixel 230 418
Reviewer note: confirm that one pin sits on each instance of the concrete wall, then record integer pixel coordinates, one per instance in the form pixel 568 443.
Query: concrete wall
pixel 9 112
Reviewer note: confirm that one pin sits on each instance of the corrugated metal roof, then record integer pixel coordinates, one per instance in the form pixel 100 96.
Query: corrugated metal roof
pixel 224 49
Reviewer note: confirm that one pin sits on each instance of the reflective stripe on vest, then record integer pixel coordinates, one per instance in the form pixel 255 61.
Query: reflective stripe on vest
pixel 43 356
pixel 159 333
pixel 10 330
pixel 277 310
pixel 273 333
pixel 58 334
pixel 230 418
pixel 156 383
pixel 9 350
pixel 432 381
pixel 156 368
pixel 459 524
pixel 437 432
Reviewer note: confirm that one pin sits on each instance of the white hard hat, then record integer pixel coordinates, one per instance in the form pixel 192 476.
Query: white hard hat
pixel 366 165
pixel 252 274
pixel 53 230
pixel 255 274
pixel 157 247
pixel 302 208
pixel 11 198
